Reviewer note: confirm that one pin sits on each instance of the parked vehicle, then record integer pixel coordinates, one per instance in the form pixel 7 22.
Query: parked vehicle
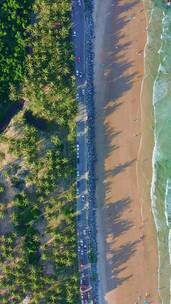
pixel 78 59
pixel 83 198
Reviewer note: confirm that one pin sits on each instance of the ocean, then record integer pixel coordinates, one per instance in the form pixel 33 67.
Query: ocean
pixel 158 65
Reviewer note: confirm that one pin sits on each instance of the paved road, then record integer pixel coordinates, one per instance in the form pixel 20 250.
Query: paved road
pixel 82 153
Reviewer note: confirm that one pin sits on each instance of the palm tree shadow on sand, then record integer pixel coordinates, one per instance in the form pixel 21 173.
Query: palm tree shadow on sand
pixel 116 258
pixel 115 68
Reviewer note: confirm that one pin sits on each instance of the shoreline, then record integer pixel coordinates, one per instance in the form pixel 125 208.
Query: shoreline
pixel 145 156
pixel 108 245
pixel 159 186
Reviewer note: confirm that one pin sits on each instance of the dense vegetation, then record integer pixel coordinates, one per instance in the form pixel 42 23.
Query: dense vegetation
pixel 14 19
pixel 38 259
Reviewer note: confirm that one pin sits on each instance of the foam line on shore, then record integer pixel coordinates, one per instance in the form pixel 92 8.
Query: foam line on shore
pixel 160 155
pixel 149 18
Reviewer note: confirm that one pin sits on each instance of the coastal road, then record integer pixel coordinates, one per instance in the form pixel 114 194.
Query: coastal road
pixel 83 235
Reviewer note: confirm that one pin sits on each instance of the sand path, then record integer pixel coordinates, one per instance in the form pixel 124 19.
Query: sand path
pixel 127 261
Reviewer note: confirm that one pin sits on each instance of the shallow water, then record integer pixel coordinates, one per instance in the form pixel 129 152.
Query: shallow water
pixel 158 54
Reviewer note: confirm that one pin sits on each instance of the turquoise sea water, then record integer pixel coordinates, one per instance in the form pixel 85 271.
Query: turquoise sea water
pixel 159 42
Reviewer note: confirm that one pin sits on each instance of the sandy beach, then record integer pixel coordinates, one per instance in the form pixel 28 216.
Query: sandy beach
pixel 127 245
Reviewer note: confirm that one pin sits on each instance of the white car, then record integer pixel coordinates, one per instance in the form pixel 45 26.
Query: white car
pixel 77 72
pixel 78 173
pixel 83 91
pixel 74 33
pixel 83 198
pixel 78 150
pixel 79 2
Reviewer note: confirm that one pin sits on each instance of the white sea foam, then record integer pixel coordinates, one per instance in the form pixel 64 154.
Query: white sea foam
pixel 161 88
pixel 155 158
pixel 154 207
pixel 165 69
pixel 168 215
pixel 169 244
pixel 165 37
pixel 168 203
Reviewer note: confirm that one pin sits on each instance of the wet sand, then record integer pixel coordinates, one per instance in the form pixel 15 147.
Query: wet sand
pixel 127 246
